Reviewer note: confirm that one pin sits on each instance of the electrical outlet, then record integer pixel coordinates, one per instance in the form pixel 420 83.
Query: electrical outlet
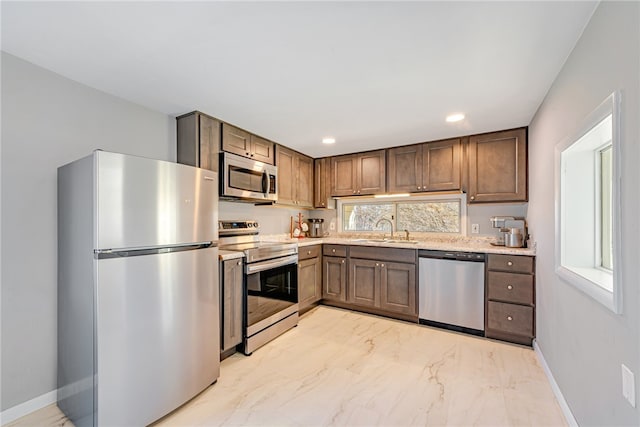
pixel 475 228
pixel 332 226
pixel 628 385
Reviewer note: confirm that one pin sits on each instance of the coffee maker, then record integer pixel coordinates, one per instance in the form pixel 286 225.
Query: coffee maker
pixel 513 231
pixel 316 229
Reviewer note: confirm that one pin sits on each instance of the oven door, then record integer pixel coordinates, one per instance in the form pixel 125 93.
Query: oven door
pixel 272 292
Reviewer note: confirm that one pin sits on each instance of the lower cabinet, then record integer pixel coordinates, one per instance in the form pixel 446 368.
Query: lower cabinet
pixel 398 288
pixel 372 279
pixel 231 304
pixel 334 273
pixel 377 281
pixel 510 298
pixel 309 276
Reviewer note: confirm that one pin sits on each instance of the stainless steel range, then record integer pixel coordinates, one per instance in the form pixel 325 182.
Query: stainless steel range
pixel 270 281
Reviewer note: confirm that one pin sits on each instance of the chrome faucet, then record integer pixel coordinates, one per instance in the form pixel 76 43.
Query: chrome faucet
pixel 390 224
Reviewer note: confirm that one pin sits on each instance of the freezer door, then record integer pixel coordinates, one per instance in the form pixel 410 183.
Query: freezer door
pixel 158 334
pixel 145 203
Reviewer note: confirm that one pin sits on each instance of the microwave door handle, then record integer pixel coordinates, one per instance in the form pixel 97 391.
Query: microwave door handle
pixel 266 183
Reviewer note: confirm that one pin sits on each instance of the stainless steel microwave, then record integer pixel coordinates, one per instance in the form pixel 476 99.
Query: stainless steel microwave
pixel 247 179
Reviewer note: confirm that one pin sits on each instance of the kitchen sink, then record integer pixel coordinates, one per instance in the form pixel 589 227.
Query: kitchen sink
pixel 385 241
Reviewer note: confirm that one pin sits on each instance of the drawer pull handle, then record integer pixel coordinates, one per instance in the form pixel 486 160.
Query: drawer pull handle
pixel 509 287
pixel 308 252
pixel 333 250
pixel 509 318
pixel 509 263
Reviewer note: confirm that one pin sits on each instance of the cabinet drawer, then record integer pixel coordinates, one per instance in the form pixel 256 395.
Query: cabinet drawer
pixel 511 318
pixel 383 254
pixel 334 250
pixel 512 263
pixel 510 287
pixel 307 252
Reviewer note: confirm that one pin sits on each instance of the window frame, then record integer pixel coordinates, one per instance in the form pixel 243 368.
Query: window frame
pixel 592 280
pixel 461 198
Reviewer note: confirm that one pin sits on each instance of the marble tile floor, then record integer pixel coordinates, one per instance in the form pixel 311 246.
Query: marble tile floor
pixel 345 368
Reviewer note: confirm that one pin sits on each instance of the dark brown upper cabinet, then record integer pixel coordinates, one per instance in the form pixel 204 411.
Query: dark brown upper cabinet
pixel 358 174
pixel 432 166
pixel 295 178
pixel 497 167
pixel 322 183
pixel 198 140
pixel 243 143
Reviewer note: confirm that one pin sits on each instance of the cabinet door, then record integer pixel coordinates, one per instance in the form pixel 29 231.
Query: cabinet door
pixel 198 141
pixel 287 176
pixel 322 183
pixel 309 282
pixel 364 280
pixel 232 298
pixel 334 278
pixel 236 140
pixel 371 173
pixel 304 183
pixel 343 176
pixel 398 287
pixel 441 165
pixel 405 169
pixel 497 167
pixel 262 150
pixel 209 142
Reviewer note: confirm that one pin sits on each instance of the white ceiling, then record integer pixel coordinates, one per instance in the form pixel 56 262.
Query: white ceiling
pixel 371 74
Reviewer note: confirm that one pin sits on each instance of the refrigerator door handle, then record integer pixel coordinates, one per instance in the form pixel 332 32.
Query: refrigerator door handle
pixel 153 250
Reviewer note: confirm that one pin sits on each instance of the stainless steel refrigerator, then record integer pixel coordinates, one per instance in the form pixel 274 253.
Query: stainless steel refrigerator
pixel 138 298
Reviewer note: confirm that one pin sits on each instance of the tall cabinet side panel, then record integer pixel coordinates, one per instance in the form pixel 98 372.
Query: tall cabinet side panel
pixel 76 367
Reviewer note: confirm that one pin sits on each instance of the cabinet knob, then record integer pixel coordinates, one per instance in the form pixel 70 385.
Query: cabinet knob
pixel 354 191
pixel 333 250
pixel 473 197
pixel 509 318
pixel 509 263
pixel 239 262
pixel 419 187
pixel 343 261
pixel 246 154
pixel 308 252
pixel 358 191
pixel 323 204
pixel 382 265
pixel 509 287
pixel 252 154
pixel 377 264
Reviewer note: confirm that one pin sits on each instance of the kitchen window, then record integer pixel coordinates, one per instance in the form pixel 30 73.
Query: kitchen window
pixel 587 203
pixel 423 214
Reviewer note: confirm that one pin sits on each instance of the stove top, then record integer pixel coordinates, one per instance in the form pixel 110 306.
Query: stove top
pixel 242 236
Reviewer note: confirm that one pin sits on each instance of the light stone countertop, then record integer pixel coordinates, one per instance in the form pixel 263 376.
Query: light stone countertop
pixel 458 244
pixel 227 255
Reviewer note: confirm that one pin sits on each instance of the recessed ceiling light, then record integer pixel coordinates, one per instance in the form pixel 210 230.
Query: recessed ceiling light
pixel 455 117
pixel 328 140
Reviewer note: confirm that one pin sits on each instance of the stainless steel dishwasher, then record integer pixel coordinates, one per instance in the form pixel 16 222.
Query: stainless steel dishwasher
pixel 451 290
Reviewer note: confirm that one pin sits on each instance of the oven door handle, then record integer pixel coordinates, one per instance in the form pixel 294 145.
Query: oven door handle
pixel 272 263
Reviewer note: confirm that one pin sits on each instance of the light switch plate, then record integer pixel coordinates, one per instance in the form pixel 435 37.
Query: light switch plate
pixel 475 228
pixel 628 385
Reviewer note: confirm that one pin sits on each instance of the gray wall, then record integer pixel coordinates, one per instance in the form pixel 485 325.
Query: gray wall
pixel 583 342
pixel 47 121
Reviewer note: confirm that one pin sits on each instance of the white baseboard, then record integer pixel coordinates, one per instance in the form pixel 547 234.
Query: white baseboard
pixel 571 421
pixel 28 407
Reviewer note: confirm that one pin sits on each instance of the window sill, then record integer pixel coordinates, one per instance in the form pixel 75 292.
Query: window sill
pixel 596 283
